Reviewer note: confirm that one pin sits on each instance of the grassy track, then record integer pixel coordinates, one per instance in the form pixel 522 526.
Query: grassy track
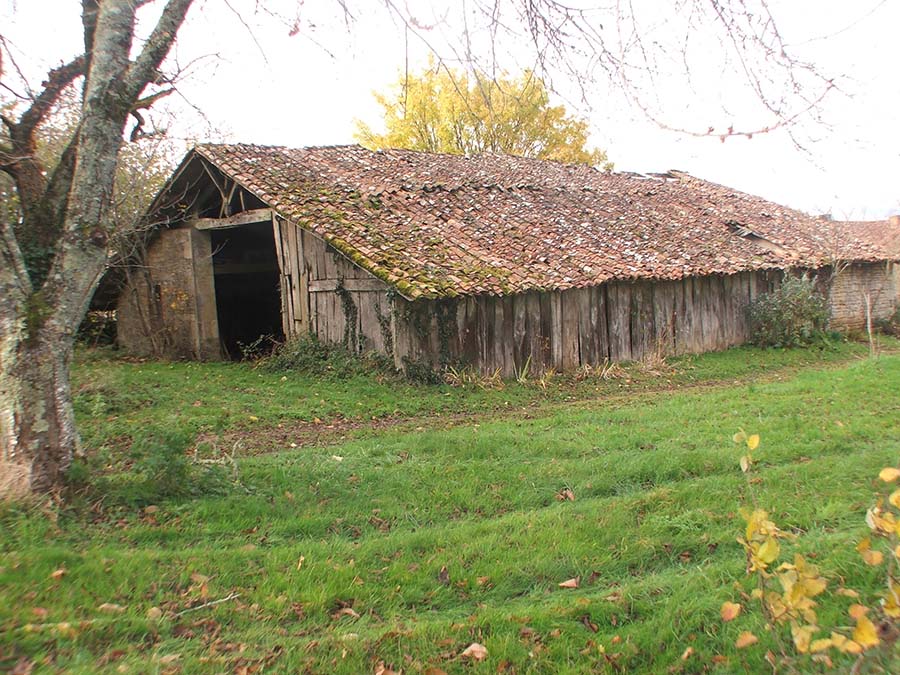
pixel 416 543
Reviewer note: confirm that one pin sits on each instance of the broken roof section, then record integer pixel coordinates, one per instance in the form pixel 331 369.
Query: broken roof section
pixel 436 225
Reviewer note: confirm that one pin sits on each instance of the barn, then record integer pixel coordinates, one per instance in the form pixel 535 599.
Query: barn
pixel 497 262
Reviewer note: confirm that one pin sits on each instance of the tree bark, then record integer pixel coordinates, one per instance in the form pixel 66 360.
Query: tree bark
pixel 39 314
pixel 37 425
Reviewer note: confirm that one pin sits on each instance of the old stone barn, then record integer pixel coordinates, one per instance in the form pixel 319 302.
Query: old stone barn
pixel 491 261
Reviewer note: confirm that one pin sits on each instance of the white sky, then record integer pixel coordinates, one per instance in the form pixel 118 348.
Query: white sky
pixel 264 86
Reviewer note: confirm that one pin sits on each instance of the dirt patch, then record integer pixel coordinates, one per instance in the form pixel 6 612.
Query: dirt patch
pixel 256 439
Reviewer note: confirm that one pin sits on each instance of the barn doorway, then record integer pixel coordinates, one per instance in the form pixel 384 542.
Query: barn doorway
pixel 248 297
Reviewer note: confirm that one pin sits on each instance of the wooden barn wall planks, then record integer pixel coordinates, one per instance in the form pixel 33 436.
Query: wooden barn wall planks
pixel 616 321
pixel 312 274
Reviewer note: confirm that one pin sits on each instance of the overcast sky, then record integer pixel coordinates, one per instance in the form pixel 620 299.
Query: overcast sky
pixel 255 83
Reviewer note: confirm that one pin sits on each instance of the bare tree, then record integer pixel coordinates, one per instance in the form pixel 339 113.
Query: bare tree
pixel 52 257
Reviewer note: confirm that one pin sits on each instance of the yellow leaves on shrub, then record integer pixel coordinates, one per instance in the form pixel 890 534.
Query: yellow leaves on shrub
pixel 881 521
pixel 745 639
pixel 730 611
pixel 894 499
pixel 802 636
pixel 889 474
pixel 865 634
pixel 752 443
pixel 871 557
pixel 760 543
pixel 891 601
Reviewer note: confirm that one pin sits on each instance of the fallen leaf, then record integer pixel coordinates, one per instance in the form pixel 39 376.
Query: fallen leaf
pixel 574 582
pixel 730 611
pixel 198 578
pixel 865 633
pixel 444 576
pixel 475 651
pixel 169 659
pixel 481 581
pixel 40 612
pixel 753 442
pixel 857 611
pixel 687 653
pixel 154 613
pixel 337 458
pixel 889 474
pixel 300 561
pixel 111 608
pixel 345 611
pixel 381 669
pixel 59 574
pixel 587 623
pixel 434 671
pixel 565 495
pixel 151 509
pixel 254 418
pixel 745 639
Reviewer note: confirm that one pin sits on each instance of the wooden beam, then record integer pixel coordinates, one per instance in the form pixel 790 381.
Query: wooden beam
pixel 371 284
pixel 245 218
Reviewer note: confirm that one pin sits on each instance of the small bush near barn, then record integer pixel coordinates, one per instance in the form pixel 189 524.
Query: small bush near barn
pixel 793 315
pixel 306 354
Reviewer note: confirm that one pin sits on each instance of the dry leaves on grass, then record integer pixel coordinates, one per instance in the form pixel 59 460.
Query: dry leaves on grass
pixel 745 639
pixel 565 495
pixel 111 608
pixel 475 651
pixel 574 582
pixel 730 611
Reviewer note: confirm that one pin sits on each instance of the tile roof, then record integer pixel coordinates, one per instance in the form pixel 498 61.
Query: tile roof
pixel 883 233
pixel 438 225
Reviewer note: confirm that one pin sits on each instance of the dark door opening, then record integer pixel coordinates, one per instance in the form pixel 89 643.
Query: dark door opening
pixel 248 297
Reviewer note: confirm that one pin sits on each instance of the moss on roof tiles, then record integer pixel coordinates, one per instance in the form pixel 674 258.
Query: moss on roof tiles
pixel 442 225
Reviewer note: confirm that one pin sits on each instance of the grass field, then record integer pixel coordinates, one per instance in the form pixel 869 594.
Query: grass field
pixel 411 521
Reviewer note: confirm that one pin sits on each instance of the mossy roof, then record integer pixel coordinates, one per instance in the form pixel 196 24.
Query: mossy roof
pixel 437 225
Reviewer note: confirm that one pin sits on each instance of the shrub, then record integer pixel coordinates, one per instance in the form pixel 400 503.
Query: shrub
pixel 788 593
pixel 306 354
pixel 793 315
pixel 97 329
pixel 890 325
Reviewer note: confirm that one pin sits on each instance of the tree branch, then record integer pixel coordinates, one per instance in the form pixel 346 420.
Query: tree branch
pixel 12 264
pixel 144 68
pixel 57 80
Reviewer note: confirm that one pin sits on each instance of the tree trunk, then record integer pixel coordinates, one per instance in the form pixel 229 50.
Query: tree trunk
pixel 38 439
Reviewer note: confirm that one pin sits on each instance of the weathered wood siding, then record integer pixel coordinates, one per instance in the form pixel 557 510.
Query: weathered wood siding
pixel 617 321
pixel 326 294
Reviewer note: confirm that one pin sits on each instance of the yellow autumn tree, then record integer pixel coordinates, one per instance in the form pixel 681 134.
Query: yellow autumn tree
pixel 442 110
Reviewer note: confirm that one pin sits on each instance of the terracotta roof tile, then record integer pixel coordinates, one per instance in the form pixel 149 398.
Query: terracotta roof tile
pixel 436 225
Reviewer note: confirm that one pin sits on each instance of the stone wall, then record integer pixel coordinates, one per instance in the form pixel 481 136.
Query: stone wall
pixel 157 313
pixel 847 296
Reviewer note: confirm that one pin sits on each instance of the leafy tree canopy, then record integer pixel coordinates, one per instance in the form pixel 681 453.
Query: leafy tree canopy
pixel 442 110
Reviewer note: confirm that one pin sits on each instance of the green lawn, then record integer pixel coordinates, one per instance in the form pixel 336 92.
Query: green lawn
pixel 438 525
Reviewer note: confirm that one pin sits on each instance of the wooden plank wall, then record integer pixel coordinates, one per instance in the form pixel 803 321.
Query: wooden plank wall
pixel 617 321
pixel 312 271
